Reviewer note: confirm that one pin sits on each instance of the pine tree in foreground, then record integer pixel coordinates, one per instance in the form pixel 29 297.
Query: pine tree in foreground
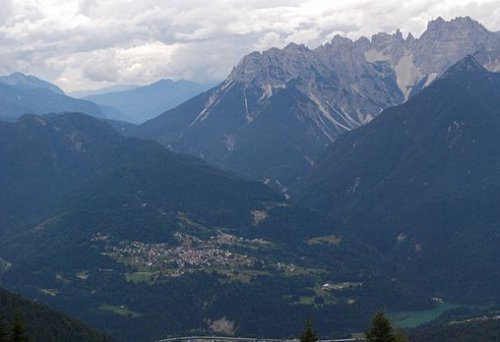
pixel 4 331
pixel 308 335
pixel 18 334
pixel 381 330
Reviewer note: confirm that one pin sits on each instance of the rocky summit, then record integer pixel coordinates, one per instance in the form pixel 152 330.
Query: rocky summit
pixel 276 112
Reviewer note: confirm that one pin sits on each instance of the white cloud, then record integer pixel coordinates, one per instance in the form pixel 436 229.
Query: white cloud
pixel 92 43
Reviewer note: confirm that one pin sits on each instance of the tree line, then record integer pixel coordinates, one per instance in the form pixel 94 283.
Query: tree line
pixel 380 330
pixel 13 331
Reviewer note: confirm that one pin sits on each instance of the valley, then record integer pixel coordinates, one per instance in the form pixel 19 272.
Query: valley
pixel 217 254
pixel 324 183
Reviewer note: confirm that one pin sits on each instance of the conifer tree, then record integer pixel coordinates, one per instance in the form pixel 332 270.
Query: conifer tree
pixel 308 335
pixel 381 330
pixel 18 334
pixel 4 331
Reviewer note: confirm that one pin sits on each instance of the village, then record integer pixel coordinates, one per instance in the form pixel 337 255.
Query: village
pixel 222 252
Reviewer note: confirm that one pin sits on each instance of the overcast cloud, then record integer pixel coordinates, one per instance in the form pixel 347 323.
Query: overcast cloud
pixel 88 44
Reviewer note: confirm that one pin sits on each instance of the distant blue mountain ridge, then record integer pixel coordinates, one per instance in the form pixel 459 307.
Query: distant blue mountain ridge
pixel 23 94
pixel 147 102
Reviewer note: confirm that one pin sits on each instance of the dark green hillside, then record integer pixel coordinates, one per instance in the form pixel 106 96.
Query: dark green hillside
pixel 474 331
pixel 42 162
pixel 44 324
pixel 421 183
pixel 144 243
pixel 272 155
pixel 471 325
pixel 48 158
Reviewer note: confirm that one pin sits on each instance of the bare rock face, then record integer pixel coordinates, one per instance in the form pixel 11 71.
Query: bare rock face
pixel 277 111
pixel 345 89
pixel 444 43
pixel 417 62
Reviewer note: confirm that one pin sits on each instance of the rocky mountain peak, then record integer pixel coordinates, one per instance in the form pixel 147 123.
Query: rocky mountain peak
pixel 363 43
pixel 419 61
pixel 383 38
pixel 436 24
pixel 339 40
pixel 458 29
pixel 295 47
pixel 314 95
pixel 273 66
pixel 459 23
pixel 441 45
pixel 398 35
pixel 446 42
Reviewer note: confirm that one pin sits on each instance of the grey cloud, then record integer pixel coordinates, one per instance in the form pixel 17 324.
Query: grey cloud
pixel 6 10
pixel 91 43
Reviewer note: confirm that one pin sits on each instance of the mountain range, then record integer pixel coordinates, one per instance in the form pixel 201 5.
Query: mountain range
pixel 276 113
pixel 25 94
pixel 111 89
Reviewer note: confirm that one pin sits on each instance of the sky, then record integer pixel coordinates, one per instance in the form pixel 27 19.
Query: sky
pixel 91 44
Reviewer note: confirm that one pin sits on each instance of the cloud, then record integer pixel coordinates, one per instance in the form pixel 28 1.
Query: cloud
pixel 90 44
